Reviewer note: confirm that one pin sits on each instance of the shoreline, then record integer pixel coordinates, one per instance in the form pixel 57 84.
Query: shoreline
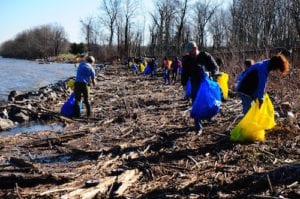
pixel 18 108
pixel 140 143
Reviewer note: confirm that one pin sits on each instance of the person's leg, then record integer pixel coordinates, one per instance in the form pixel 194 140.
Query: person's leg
pixel 198 126
pixel 197 122
pixel 166 76
pixel 86 100
pixel 169 76
pixel 246 102
pixel 77 93
pixel 173 77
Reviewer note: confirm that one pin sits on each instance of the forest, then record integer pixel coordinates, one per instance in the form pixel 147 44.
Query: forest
pixel 123 28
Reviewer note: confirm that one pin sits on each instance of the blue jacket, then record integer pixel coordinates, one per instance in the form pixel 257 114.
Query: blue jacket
pixel 85 73
pixel 253 80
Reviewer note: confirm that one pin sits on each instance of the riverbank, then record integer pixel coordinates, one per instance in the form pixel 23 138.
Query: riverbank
pixel 140 144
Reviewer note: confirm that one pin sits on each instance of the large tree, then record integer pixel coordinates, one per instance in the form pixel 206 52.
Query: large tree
pixel 110 9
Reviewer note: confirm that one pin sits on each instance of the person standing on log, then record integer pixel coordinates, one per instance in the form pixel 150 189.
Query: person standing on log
pixel 84 77
pixel 252 82
pixel 194 66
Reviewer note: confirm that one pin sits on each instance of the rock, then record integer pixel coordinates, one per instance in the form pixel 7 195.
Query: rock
pixel 277 115
pixel 285 107
pixel 12 95
pixel 21 117
pixel 6 124
pixel 291 117
pixel 4 114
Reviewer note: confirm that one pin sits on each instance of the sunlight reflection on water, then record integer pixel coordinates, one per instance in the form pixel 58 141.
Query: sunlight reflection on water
pixel 32 127
pixel 24 75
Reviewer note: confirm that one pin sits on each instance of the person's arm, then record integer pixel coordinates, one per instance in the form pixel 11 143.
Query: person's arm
pixel 93 81
pixel 212 64
pixel 93 76
pixel 261 89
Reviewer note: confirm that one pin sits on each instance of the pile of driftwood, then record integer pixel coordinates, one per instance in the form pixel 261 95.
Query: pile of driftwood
pixel 140 143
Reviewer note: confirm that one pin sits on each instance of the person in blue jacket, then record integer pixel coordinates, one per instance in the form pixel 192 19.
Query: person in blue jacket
pixel 84 77
pixel 194 66
pixel 252 82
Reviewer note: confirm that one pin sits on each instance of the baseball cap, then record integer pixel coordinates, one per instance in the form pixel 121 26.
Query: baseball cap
pixel 190 46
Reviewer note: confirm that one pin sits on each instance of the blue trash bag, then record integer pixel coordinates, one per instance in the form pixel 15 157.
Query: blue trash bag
pixel 68 108
pixel 188 89
pixel 147 70
pixel 134 67
pixel 179 70
pixel 208 100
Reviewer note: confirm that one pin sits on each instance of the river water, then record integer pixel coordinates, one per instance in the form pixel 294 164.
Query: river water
pixel 23 75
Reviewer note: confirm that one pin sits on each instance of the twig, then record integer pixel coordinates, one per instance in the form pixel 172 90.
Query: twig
pixel 125 100
pixel 270 185
pixel 59 190
pixel 292 185
pixel 197 163
pixel 265 197
pixel 236 118
pixel 17 190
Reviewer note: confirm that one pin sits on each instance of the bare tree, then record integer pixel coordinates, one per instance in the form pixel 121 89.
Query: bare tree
pixel 40 42
pixel 59 40
pixel 217 29
pixel 111 9
pixel 164 18
pixel 130 9
pixel 294 7
pixel 203 11
pixel 181 13
pixel 89 30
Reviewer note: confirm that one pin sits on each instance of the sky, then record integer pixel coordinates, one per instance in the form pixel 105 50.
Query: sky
pixel 20 15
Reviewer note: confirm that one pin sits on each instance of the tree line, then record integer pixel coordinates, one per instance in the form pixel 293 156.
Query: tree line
pixel 40 42
pixel 126 28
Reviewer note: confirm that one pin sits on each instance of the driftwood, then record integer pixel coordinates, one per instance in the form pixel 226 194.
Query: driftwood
pixel 140 143
pixel 123 181
pixel 27 174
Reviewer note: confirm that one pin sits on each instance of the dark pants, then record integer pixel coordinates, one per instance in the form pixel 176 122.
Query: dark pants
pixel 81 89
pixel 246 102
pixel 174 75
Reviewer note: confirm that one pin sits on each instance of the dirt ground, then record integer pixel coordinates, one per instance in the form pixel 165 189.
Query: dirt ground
pixel 140 143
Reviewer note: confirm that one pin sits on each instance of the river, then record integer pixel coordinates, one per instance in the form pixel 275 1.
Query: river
pixel 24 75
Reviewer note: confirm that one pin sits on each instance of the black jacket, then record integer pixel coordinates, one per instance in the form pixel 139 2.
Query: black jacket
pixel 194 68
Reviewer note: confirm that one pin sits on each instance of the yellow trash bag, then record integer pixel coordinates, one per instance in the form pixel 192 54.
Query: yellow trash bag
pixel 253 125
pixel 223 83
pixel 71 84
pixel 142 67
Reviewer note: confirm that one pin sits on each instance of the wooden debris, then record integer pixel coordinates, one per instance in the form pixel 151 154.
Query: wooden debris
pixel 140 143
